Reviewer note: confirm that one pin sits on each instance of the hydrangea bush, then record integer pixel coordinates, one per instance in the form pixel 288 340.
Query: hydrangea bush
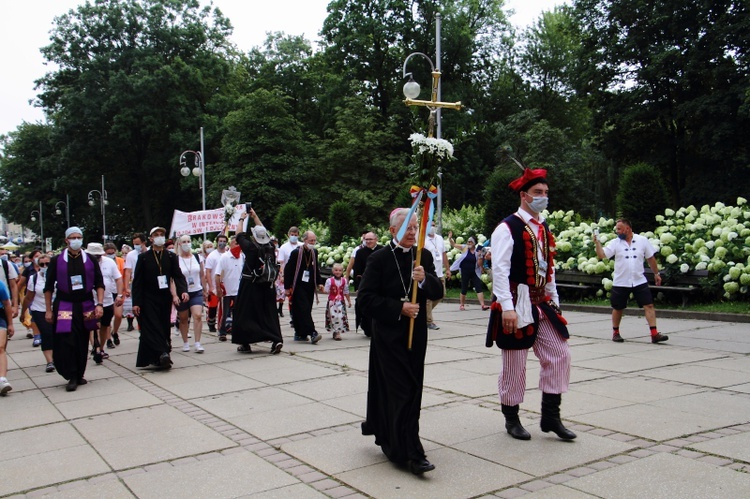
pixel 712 238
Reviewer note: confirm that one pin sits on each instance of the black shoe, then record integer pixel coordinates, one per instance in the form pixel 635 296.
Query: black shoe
pixel 556 426
pixel 315 337
pixel 130 328
pixel 165 361
pixel 110 344
pixel 82 381
pixel 516 430
pixel 617 338
pixel 513 423
pixel 98 357
pixel 276 348
pixel 419 466
pixel 281 313
pixel 116 338
pixel 658 338
pixel 211 329
pixel 71 386
pixel 223 337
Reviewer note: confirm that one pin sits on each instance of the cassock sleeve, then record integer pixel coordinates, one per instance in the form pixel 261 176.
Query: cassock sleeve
pixel 289 269
pixel 432 287
pixel 373 291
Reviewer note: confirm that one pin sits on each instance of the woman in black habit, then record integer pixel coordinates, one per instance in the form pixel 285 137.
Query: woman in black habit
pixel 254 316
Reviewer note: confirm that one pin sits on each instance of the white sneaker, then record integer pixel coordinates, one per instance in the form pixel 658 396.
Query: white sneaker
pixel 190 335
pixel 198 348
pixel 186 347
pixel 176 332
pixel 4 387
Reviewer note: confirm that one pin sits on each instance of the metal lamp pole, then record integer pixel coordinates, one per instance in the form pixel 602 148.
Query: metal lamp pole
pixel 103 201
pixel 40 212
pixel 198 170
pixel 58 211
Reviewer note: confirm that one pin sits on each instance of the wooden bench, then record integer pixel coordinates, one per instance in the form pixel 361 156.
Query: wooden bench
pixel 685 284
pixel 577 281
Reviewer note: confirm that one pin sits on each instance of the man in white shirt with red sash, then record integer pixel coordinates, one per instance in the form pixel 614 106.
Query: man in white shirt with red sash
pixel 525 311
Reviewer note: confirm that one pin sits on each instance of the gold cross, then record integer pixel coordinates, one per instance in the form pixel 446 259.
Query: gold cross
pixel 433 104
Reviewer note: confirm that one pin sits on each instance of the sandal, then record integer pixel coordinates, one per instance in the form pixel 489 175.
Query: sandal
pixel 485 307
pixel 461 307
pixel 244 349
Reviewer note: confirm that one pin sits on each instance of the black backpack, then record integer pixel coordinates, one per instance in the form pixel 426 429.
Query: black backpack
pixel 266 269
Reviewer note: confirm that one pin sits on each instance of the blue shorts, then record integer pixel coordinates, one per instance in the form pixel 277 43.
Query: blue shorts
pixel 196 298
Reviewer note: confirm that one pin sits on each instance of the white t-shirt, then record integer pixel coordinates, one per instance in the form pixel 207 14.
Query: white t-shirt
pixel 191 269
pixel 35 284
pixel 110 274
pixel 131 259
pixel 436 246
pixel 629 260
pixel 285 250
pixel 230 270
pixel 12 273
pixel 212 260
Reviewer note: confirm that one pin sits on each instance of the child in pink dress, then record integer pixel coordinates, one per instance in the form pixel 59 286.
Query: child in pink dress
pixel 337 288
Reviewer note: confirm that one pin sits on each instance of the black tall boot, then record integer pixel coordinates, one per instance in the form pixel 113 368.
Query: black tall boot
pixel 513 423
pixel 551 416
pixel 281 309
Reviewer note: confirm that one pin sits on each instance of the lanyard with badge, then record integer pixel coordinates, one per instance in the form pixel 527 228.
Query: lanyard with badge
pixel 161 279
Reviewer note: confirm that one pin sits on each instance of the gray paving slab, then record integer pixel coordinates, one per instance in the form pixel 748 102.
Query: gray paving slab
pixel 148 435
pixel 226 424
pixel 45 455
pixel 664 475
pixel 234 475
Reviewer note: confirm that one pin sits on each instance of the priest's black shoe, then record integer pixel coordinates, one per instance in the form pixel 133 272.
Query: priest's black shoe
pixel 513 423
pixel 71 386
pixel 164 361
pixel 419 466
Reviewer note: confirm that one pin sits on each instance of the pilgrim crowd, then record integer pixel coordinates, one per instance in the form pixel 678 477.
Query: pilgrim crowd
pixel 73 303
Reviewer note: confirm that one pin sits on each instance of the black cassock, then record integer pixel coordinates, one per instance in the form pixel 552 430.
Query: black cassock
pixel 360 264
pixel 396 374
pixel 155 302
pixel 254 317
pixel 304 288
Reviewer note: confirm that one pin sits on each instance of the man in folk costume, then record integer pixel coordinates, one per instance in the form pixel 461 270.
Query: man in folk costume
pixel 396 373
pixel 155 271
pixel 73 275
pixel 525 312
pixel 301 280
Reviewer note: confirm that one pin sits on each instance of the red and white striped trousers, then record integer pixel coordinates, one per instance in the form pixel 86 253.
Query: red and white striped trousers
pixel 554 357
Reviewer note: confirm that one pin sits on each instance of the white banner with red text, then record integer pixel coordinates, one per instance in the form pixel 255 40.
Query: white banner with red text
pixel 198 222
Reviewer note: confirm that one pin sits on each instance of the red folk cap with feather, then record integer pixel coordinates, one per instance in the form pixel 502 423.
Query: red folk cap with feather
pixel 529 178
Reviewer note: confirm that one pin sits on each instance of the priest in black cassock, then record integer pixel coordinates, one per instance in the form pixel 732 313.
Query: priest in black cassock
pixel 73 277
pixel 301 279
pixel 360 264
pixel 157 269
pixel 396 374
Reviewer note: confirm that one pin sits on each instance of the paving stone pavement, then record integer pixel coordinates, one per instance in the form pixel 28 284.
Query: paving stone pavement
pixel 667 420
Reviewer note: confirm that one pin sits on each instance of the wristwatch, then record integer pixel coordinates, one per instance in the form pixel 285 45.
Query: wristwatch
pixel 100 305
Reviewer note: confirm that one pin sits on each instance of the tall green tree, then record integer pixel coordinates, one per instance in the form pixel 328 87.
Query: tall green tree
pixel 669 83
pixel 133 83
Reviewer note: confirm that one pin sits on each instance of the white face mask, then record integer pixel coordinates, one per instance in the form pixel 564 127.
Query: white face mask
pixel 159 240
pixel 538 204
pixel 112 256
pixel 75 244
pixel 186 247
pixel 310 246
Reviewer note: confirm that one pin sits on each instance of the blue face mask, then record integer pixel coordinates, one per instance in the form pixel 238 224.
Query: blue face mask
pixel 622 236
pixel 293 239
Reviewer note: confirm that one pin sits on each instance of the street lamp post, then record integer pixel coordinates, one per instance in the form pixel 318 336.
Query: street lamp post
pixel 40 213
pixel 103 201
pixel 58 211
pixel 198 170
pixel 435 105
